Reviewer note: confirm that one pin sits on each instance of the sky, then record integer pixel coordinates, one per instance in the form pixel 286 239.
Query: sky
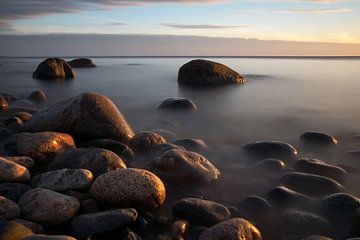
pixel 260 22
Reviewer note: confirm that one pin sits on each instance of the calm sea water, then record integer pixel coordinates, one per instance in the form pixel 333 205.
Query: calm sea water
pixel 282 99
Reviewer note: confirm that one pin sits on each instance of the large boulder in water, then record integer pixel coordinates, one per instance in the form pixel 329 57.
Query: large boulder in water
pixel 207 73
pixel 88 115
pixel 54 68
pixel 82 63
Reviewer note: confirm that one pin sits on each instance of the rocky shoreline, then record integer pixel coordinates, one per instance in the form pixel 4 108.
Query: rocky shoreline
pixel 77 170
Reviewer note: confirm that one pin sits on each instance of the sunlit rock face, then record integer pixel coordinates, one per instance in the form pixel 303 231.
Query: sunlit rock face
pixel 207 73
pixel 184 167
pixel 13 172
pixel 3 104
pixel 129 187
pixel 232 229
pixel 89 116
pixel 54 69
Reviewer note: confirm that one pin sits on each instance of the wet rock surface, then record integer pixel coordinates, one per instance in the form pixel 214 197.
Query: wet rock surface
pixel 13 172
pixel 82 63
pixel 177 103
pixel 89 115
pixel 275 150
pixel 38 97
pixel 207 73
pixel 54 69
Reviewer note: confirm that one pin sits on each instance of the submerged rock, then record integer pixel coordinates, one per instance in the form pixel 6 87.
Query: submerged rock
pixel 310 184
pixel 37 97
pixel 8 209
pixel 129 188
pixel 48 207
pixel 64 180
pixel 53 69
pixel 318 167
pixel 232 229
pixel 191 144
pixel 184 167
pixel 43 145
pixel 276 150
pixel 13 172
pixel 200 212
pixel 340 205
pixel 106 221
pixel 97 160
pixel 317 139
pixel 89 116
pixel 177 103
pixel 82 63
pixel 282 197
pixel 207 73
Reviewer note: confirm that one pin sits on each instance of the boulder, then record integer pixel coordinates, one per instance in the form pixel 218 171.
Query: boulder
pixel 191 144
pixel 159 149
pixel 33 226
pixel 49 237
pixel 142 142
pixel 184 167
pixel 41 146
pixel 129 188
pixel 269 168
pixel 48 207
pixel 176 103
pixel 318 167
pixel 13 191
pixel 232 229
pixel 13 172
pixel 317 139
pixel 27 162
pixel 282 198
pixel 12 230
pixel 340 205
pixel 200 212
pixel 8 209
pixel 254 208
pixel 37 97
pixel 207 73
pixel 276 150
pixel 3 104
pixel 54 69
pixel 310 184
pixel 89 116
pixel 23 116
pixel 64 180
pixel 106 221
pixel 96 160
pixel 82 63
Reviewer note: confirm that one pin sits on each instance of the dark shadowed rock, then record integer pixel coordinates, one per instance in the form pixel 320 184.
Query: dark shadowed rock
pixel 96 160
pixel 14 124
pixel 340 205
pixel 177 103
pixel 276 150
pixel 64 180
pixel 23 116
pixel 350 160
pixel 13 172
pixel 254 208
pixel 317 139
pixel 48 207
pixel 318 167
pixel 310 184
pixel 3 104
pixel 129 188
pixel 269 167
pixel 12 230
pixel 232 229
pixel 184 167
pixel 200 212
pixel 27 162
pixel 49 237
pixel 53 69
pixel 37 97
pixel 160 149
pixel 106 221
pixel 121 149
pixel 191 144
pixel 312 237
pixel 82 63
pixel 42 146
pixel 8 209
pixel 33 226
pixel 282 197
pixel 13 191
pixel 207 73
pixel 296 222
pixel 89 116
pixel 89 206
pixel 142 142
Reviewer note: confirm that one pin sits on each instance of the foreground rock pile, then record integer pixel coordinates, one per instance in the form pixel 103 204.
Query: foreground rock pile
pixel 77 170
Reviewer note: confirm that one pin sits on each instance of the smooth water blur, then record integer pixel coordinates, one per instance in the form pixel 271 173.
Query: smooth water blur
pixel 283 97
